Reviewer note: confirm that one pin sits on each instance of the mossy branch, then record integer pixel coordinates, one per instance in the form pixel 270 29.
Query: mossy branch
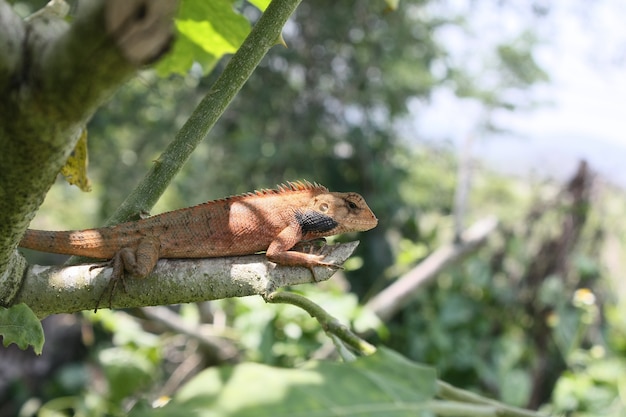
pixel 53 75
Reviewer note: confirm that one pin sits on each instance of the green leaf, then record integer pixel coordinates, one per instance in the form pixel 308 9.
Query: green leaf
pixel 260 4
pixel 392 5
pixel 21 326
pixel 384 384
pixel 126 372
pixel 75 168
pixel 207 30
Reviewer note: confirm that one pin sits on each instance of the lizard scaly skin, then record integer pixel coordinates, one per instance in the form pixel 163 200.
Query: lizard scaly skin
pixel 267 220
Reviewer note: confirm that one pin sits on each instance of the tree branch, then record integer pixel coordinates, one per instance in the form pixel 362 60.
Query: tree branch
pixel 392 299
pixel 52 78
pixel 12 34
pixel 54 289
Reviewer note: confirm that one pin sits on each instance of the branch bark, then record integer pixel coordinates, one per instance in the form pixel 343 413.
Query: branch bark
pixel 55 289
pixel 391 300
pixel 53 76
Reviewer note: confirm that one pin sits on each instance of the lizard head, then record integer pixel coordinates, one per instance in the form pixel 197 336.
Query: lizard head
pixel 329 214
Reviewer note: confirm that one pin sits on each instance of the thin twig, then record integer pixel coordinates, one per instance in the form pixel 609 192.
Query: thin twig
pixel 221 348
pixel 459 402
pixel 330 324
pixel 265 34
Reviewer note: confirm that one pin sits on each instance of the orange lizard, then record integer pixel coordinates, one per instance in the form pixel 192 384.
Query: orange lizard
pixel 267 220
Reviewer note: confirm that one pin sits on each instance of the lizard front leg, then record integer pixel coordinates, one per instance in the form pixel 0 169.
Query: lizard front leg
pixel 280 253
pixel 137 263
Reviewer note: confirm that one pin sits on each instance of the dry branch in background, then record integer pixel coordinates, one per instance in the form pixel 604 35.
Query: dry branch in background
pixel 395 297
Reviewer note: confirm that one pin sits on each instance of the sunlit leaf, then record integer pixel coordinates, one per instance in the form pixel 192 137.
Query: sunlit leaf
pixel 75 168
pixel 207 30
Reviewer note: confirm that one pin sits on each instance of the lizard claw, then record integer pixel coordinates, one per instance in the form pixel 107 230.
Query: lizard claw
pixel 110 288
pixel 103 265
pixel 117 275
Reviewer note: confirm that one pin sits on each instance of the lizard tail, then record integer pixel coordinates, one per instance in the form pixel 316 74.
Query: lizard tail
pixel 82 243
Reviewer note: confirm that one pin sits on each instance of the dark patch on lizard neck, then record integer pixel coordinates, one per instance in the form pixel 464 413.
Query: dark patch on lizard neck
pixel 313 221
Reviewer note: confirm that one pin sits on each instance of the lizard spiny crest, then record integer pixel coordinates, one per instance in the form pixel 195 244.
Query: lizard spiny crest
pixel 288 186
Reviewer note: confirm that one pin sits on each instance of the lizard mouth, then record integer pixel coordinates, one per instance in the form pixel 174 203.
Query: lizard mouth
pixel 364 225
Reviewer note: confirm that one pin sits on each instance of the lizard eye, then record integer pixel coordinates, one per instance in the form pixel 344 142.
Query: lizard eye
pixel 352 205
pixel 324 207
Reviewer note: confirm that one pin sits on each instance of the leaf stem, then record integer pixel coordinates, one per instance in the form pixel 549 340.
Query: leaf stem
pixel 458 401
pixel 449 392
pixel 330 324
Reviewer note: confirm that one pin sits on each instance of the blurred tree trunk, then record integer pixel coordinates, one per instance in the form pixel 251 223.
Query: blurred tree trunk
pixel 552 258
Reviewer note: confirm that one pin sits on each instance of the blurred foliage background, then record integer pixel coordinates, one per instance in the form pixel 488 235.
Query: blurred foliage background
pixel 535 318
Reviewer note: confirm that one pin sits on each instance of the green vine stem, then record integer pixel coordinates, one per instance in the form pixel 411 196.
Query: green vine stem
pixel 330 324
pixel 458 402
pixel 265 34
pixel 449 392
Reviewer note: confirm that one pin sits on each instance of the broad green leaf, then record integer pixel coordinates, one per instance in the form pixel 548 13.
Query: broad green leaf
pixel 21 326
pixel 384 384
pixel 207 30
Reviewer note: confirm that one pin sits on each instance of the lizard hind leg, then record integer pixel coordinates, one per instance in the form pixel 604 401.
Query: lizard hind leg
pixel 117 275
pixel 137 263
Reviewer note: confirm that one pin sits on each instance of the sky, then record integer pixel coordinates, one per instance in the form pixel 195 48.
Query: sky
pixel 582 110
